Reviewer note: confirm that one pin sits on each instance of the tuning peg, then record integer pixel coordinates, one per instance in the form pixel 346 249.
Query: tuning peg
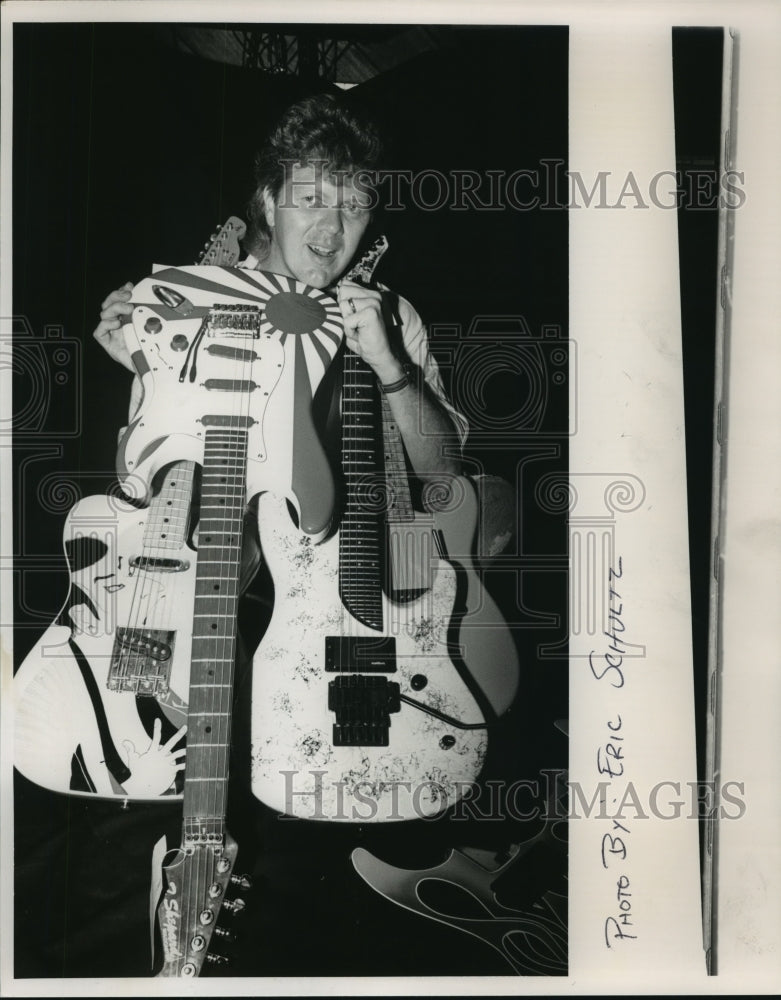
pixel 216 959
pixel 234 906
pixel 226 935
pixel 242 881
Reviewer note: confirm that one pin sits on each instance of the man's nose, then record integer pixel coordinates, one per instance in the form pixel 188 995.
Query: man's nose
pixel 330 219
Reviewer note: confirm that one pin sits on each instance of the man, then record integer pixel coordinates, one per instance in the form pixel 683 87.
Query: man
pixel 308 216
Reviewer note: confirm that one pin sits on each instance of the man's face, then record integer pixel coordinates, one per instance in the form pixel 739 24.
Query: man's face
pixel 317 221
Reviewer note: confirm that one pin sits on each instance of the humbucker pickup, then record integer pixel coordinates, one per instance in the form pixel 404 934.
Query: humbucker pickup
pixel 360 654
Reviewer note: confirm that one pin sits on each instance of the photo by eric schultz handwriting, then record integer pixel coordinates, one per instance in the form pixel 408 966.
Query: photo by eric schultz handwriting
pixel 609 665
pixel 611 762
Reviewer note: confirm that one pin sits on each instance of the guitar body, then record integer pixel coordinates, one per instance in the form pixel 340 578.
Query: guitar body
pixel 315 656
pixel 483 640
pixel 230 343
pixel 124 643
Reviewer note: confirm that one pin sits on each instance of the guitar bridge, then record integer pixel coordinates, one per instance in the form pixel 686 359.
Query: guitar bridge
pixel 363 707
pixel 234 321
pixel 141 661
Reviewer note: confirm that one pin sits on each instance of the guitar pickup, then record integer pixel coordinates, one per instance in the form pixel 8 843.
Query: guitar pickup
pixel 159 565
pixel 358 654
pixel 363 707
pixel 231 353
pixel 230 385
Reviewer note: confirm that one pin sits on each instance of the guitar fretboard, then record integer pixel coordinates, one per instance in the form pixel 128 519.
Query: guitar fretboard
pixel 400 509
pixel 223 493
pixel 360 532
pixel 169 512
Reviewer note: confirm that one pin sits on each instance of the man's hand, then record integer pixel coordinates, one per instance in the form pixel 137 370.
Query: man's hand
pixel 108 332
pixel 364 330
pixel 426 430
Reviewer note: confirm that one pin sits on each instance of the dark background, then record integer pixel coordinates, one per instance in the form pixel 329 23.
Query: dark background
pixel 128 152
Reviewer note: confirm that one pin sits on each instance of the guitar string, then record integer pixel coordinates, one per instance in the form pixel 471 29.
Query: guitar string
pixel 233 443
pixel 135 620
pixel 195 802
pixel 202 857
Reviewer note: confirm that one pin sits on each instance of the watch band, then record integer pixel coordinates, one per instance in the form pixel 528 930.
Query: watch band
pixel 399 384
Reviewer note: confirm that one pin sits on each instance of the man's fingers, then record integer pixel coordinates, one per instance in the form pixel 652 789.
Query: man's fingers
pixel 106 326
pixel 116 309
pixel 122 294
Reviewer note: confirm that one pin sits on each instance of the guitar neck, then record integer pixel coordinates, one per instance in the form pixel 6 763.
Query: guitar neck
pixel 399 509
pixel 168 517
pixel 360 534
pixel 214 634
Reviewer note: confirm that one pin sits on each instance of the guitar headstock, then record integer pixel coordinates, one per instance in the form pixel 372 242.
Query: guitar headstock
pixel 363 270
pixel 196 884
pixel 223 247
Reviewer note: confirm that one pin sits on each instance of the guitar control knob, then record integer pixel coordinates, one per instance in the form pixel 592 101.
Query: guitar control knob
pixel 242 881
pixel 447 742
pixel 198 943
pixel 153 325
pixel 234 906
pixel 180 342
pixel 418 682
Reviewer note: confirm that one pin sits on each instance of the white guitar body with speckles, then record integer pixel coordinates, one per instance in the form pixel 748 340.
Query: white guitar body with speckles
pixel 296 767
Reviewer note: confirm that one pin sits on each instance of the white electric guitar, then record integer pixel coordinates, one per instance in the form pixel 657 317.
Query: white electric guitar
pixel 371 691
pixel 101 699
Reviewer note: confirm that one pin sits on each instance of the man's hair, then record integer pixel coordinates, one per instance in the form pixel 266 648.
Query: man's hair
pixel 316 128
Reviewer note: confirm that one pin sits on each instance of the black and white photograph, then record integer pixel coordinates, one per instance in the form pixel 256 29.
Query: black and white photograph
pixel 372 561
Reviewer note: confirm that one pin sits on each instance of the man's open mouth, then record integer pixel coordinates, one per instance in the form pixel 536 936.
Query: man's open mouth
pixel 320 251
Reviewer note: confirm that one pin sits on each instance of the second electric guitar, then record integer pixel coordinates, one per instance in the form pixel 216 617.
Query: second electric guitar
pixel 367 708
